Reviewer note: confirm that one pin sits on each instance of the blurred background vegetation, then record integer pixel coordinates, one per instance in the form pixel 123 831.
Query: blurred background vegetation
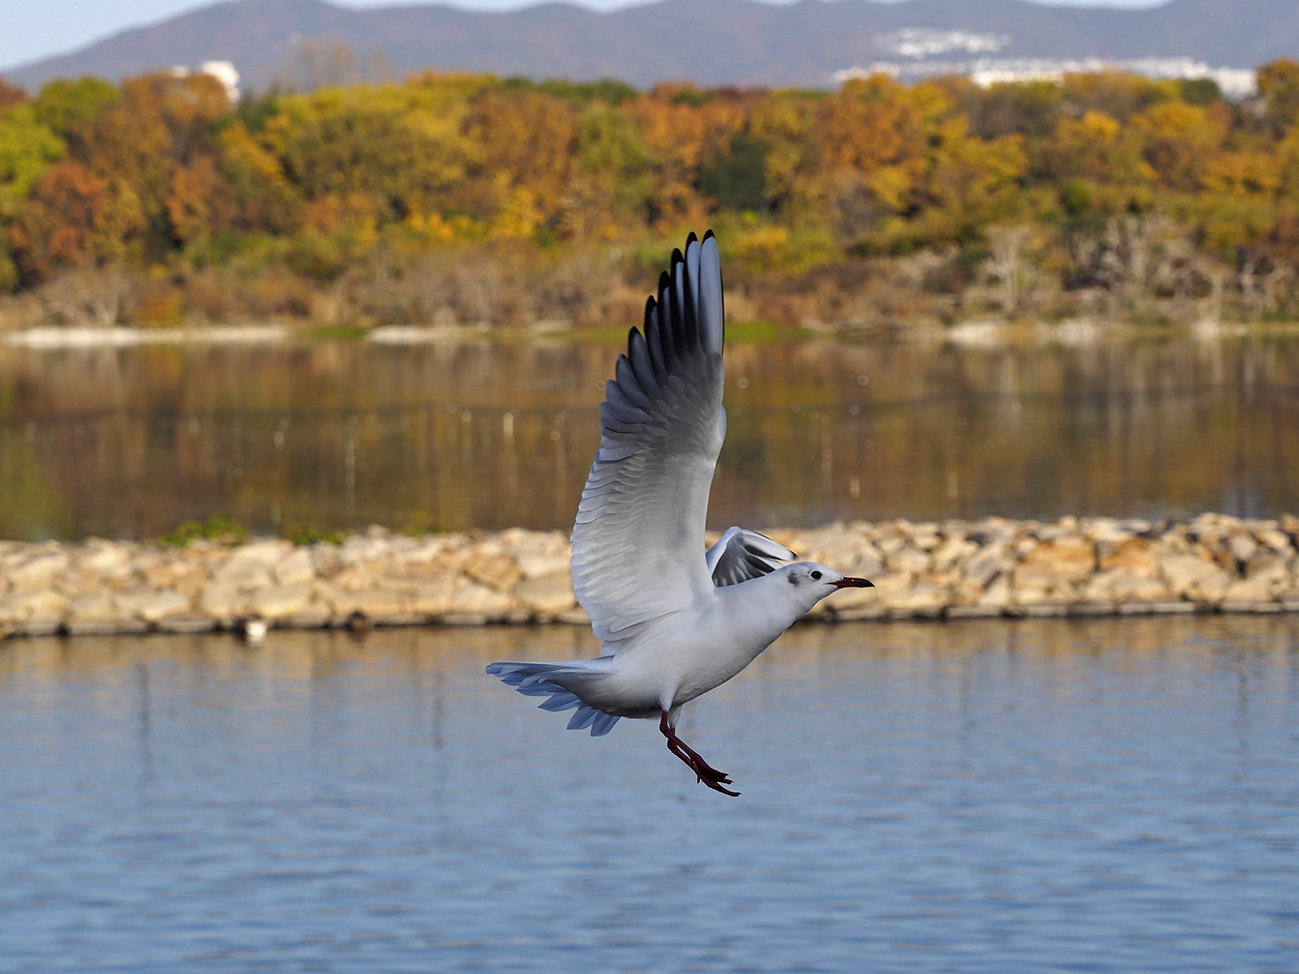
pixel 456 199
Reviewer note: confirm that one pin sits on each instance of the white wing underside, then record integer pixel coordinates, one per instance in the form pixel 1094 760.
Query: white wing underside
pixel 638 540
pixel 741 554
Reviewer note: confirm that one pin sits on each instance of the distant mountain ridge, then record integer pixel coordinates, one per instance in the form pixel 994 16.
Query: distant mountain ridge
pixel 740 42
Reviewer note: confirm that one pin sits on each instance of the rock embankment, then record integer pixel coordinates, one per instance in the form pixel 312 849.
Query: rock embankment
pixel 953 569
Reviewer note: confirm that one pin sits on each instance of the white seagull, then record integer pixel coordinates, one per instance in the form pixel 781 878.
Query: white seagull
pixel 674 622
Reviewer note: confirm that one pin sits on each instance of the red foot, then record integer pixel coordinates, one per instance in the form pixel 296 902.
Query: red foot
pixel 704 772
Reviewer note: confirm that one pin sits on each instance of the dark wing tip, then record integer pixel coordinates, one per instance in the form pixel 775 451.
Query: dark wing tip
pixel 672 322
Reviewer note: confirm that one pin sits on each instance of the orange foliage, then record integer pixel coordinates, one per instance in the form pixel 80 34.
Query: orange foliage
pixel 62 222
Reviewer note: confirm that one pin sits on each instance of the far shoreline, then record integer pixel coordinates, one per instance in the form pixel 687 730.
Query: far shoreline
pixel 974 332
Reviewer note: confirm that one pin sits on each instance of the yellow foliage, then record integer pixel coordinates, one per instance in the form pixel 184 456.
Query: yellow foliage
pixel 1171 118
pixel 1242 174
pixel 242 152
pixel 520 215
pixel 1096 127
pixel 891 185
pixel 352 212
pixel 435 228
pixel 770 249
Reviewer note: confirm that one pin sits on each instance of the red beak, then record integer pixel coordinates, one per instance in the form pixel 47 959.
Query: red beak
pixel 853 583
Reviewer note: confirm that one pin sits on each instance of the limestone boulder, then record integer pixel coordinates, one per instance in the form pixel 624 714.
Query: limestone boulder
pixel 493 569
pixel 952 551
pixel 1242 547
pixel 380 607
pixel 987 563
pixel 1250 594
pixel 1189 575
pixel 92 613
pixel 1137 556
pixel 295 568
pixel 43 608
pixel 222 602
pixel 97 556
pixel 279 602
pixel 267 552
pixel 923 599
pixel 998 595
pixel 35 568
pixel 539 553
pixel 547 595
pixel 152 605
pixel 908 559
pixel 1065 558
pixel 469 597
pixel 1105 530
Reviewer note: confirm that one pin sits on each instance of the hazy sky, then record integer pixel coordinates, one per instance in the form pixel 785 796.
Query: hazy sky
pixel 37 29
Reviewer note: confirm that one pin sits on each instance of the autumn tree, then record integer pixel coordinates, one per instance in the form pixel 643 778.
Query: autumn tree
pixel 10 95
pixel 360 182
pixel 1278 93
pixel 63 223
pixel 27 148
pixel 1178 140
pixel 523 148
pixel 1117 94
pixel 611 185
pixel 67 106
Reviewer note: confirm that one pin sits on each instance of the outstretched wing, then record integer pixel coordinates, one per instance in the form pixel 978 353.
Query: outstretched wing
pixel 636 543
pixel 741 554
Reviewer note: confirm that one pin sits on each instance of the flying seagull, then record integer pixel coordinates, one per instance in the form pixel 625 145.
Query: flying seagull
pixel 674 622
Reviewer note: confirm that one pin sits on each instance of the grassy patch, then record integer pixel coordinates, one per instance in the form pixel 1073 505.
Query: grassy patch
pixel 217 528
pixel 305 534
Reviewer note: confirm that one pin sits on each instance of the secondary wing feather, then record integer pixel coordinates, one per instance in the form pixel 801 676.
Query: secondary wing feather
pixel 636 541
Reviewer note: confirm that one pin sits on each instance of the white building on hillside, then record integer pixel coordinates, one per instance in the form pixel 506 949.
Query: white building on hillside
pixel 223 71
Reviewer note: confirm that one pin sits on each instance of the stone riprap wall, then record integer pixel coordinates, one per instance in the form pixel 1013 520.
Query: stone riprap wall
pixel 954 569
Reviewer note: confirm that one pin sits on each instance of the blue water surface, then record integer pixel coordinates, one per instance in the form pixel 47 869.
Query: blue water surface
pixel 1100 795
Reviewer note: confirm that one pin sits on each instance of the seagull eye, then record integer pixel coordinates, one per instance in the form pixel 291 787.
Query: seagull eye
pixel 816 575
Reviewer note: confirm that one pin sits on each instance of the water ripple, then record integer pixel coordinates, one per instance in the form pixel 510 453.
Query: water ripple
pixel 1110 796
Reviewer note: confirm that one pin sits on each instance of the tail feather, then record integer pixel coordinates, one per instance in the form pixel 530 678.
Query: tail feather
pixel 548 680
pixel 583 719
pixel 560 699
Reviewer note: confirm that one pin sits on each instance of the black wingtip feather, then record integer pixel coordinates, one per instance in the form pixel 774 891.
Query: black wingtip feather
pixel 666 324
pixel 690 322
pixel 680 329
pixel 671 319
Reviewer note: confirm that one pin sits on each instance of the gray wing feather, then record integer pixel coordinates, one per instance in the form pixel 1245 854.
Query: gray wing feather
pixel 562 684
pixel 740 555
pixel 637 532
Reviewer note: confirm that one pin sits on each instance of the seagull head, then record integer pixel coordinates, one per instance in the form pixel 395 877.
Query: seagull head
pixel 812 582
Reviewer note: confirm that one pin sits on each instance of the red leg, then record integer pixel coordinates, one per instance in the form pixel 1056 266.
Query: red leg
pixel 704 772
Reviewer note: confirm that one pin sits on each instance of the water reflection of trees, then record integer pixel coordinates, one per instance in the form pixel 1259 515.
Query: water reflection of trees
pixel 129 442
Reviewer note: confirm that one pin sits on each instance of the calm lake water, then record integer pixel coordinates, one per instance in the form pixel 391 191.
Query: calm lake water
pixel 1109 795
pixel 328 435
